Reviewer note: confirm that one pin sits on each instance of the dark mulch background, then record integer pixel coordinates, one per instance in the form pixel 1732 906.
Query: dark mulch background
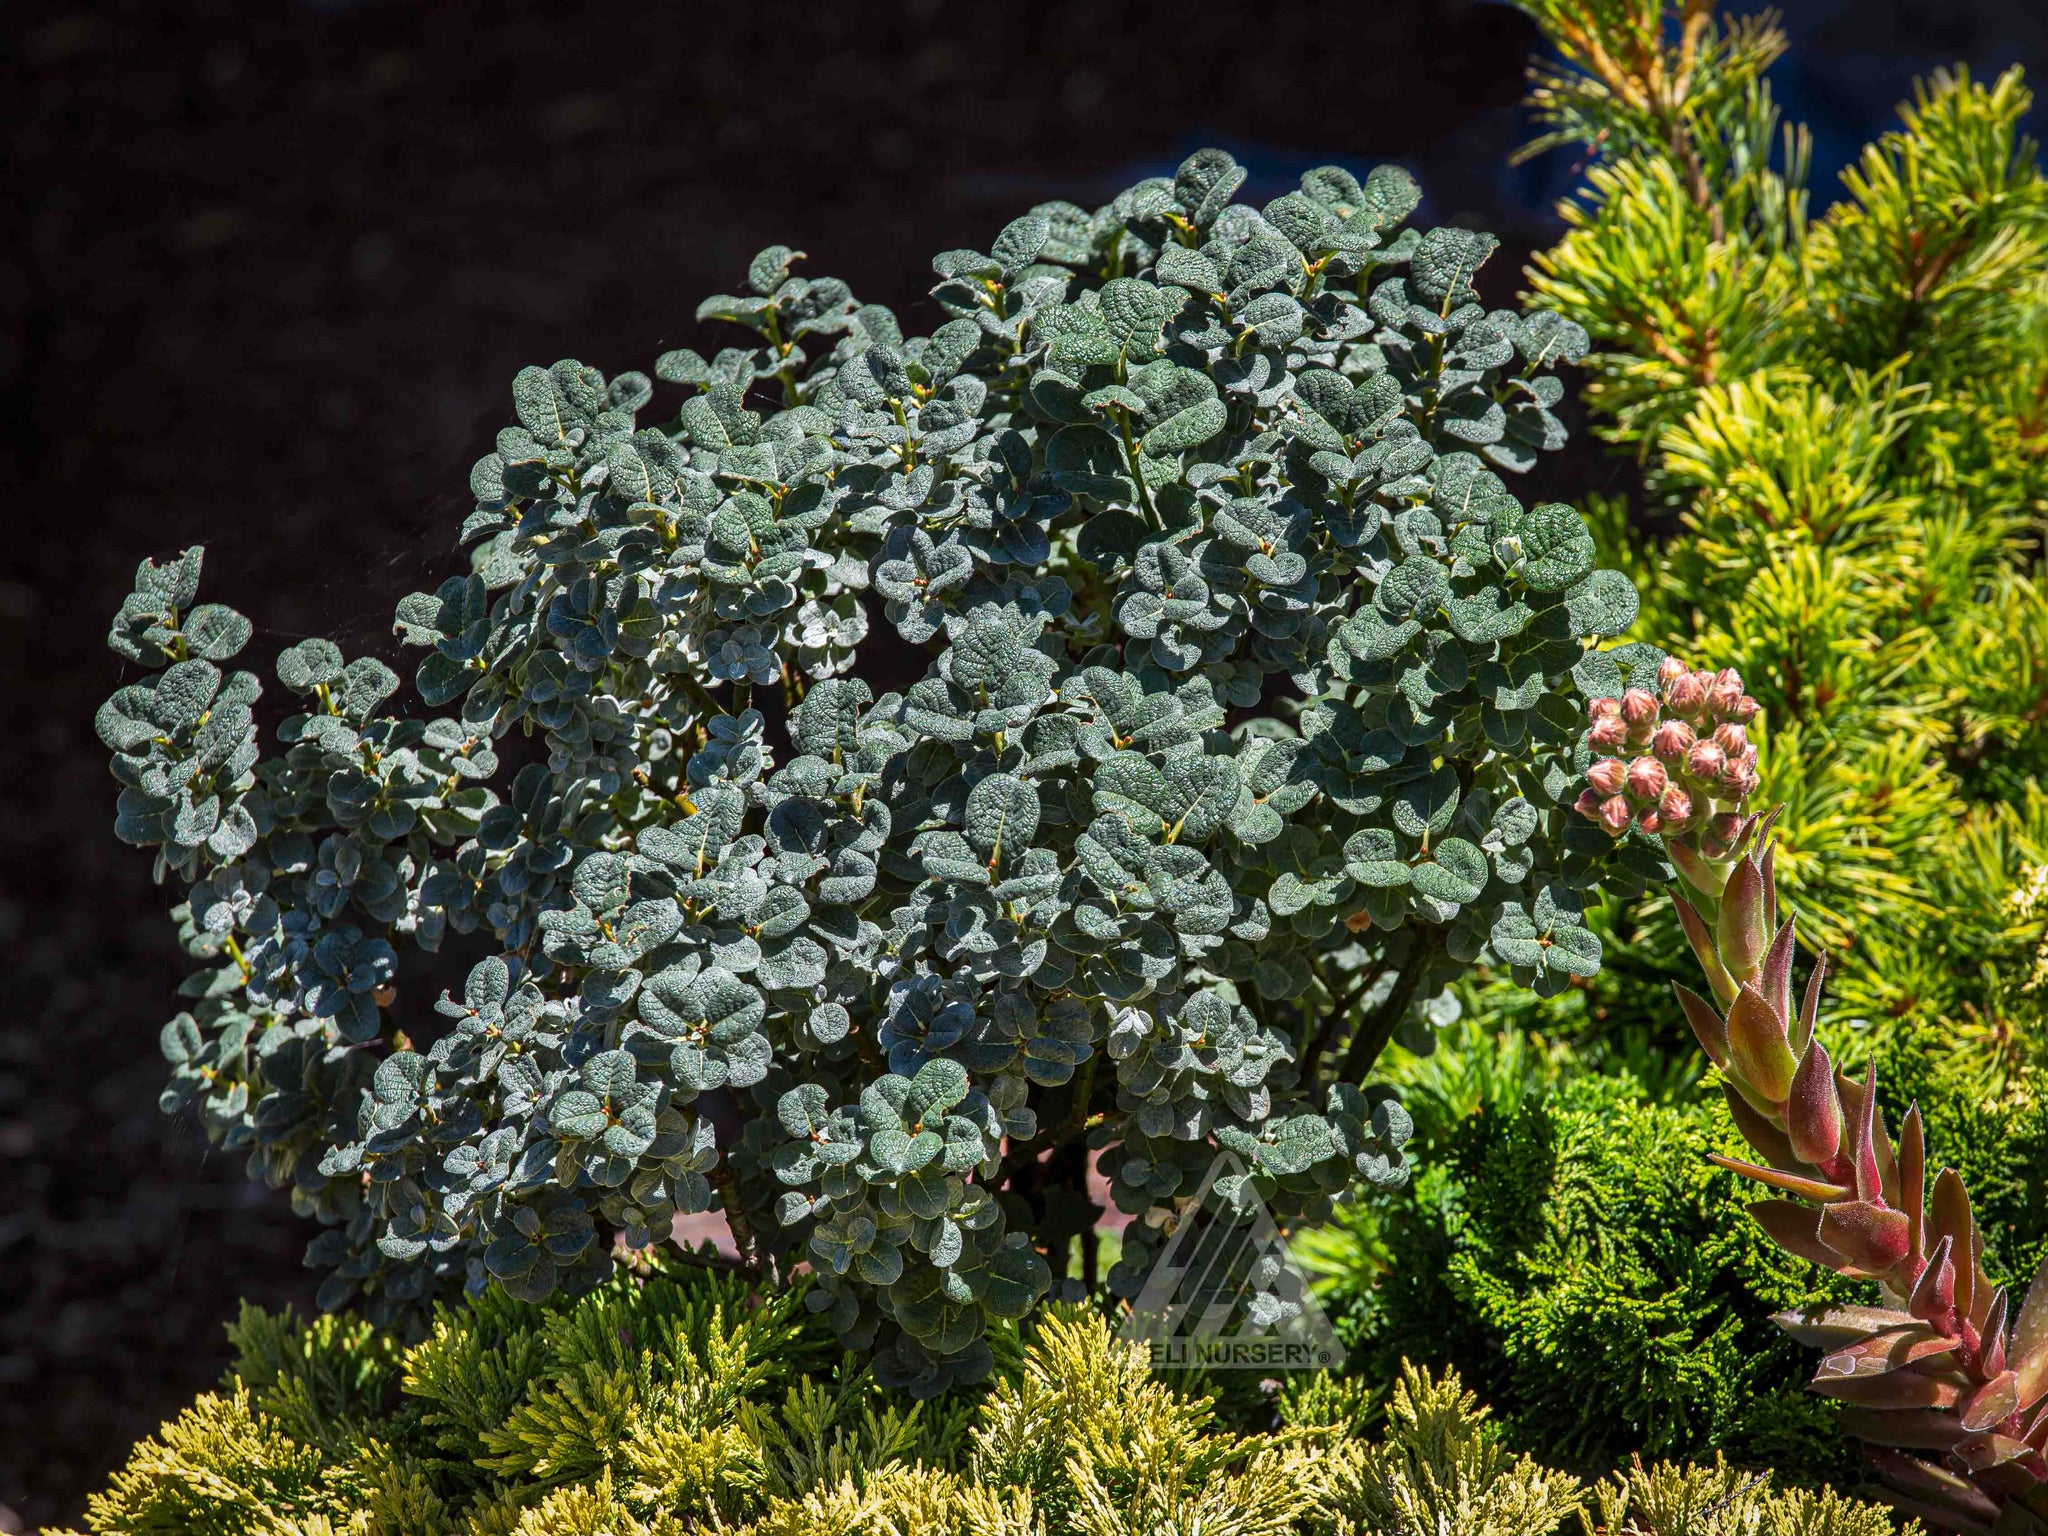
pixel 271 269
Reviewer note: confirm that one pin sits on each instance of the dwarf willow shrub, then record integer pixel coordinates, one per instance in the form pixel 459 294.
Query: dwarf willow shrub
pixel 1245 725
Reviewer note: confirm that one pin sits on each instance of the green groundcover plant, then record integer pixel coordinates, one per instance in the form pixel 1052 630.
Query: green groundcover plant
pixel 1248 723
pixel 670 1400
pixel 1583 1266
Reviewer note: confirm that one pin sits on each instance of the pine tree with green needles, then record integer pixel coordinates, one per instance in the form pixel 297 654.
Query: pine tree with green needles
pixel 1842 420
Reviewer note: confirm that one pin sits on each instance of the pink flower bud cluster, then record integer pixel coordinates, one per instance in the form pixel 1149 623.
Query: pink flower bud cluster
pixel 1682 763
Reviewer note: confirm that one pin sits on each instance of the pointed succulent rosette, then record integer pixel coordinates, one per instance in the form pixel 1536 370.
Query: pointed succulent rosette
pixel 1945 1367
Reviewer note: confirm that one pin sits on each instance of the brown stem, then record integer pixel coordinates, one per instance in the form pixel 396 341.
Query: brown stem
pixel 711 1258
pixel 1327 1035
pixel 727 1185
pixel 1372 1036
pixel 1055 1134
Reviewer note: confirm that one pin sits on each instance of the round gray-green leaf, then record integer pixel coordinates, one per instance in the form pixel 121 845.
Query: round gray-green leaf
pixel 1002 813
pixel 1414 589
pixel 1456 873
pixel 1557 549
pixel 1373 857
pixel 1601 603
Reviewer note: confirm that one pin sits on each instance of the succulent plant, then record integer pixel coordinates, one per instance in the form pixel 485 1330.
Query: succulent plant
pixel 1946 1363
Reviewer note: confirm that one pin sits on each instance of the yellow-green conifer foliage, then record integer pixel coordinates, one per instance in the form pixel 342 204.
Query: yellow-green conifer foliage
pixel 672 1400
pixel 1670 1500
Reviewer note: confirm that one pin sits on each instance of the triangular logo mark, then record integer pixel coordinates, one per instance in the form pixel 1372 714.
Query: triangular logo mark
pixel 1230 1296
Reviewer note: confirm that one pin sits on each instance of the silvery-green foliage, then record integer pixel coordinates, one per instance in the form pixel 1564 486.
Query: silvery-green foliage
pixel 1248 723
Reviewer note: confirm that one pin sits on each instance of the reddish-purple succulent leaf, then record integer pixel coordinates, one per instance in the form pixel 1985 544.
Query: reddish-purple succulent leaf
pixel 1708 1027
pixel 1792 1183
pixel 1774 1113
pixel 1913 1181
pixel 1776 982
pixel 1740 930
pixel 1796 1229
pixel 1809 1008
pixel 1813 1111
pixel 2030 1342
pixel 1887 1155
pixel 1910 1429
pixel 1870 1236
pixel 1900 1389
pixel 1757 1129
pixel 1992 1336
pixel 1982 1451
pixel 1948 1211
pixel 1859 1106
pixel 1883 1353
pixel 1937 1517
pixel 1981 1289
pixel 1770 874
pixel 1758 1049
pixel 1697 870
pixel 1952 1502
pixel 1934 1294
pixel 1991 1404
pixel 1702 942
pixel 1830 1328
pixel 1989 1451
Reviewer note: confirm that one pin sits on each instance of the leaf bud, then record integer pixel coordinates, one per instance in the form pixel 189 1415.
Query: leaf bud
pixel 1721 834
pixel 1671 741
pixel 1609 776
pixel 1687 695
pixel 1705 762
pixel 1646 778
pixel 1725 693
pixel 1675 806
pixel 1732 739
pixel 1609 732
pixel 1616 814
pixel 1639 708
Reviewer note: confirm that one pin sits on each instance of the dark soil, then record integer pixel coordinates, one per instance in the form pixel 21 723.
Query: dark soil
pixel 273 270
